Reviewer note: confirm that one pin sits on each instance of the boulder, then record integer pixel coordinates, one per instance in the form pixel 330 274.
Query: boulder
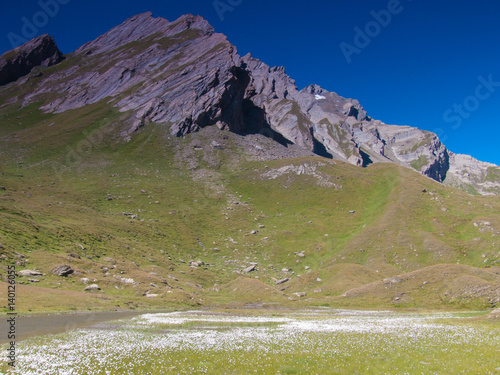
pixel 29 273
pixel 93 287
pixel 63 270
pixel 250 268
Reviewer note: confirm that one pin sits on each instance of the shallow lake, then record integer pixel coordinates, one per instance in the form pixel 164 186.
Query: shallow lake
pixel 313 341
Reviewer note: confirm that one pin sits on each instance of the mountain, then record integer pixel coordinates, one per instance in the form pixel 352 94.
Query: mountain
pixel 41 51
pixel 160 165
pixel 185 76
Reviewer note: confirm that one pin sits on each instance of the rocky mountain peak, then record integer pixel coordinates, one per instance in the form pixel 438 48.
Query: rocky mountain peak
pixel 184 76
pixel 18 62
pixel 143 26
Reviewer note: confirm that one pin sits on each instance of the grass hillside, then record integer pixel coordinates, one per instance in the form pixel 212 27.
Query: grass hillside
pixel 160 221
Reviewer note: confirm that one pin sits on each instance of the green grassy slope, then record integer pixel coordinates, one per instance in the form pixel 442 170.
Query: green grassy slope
pixel 75 193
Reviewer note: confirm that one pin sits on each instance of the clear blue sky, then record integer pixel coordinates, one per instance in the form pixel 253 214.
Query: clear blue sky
pixel 423 67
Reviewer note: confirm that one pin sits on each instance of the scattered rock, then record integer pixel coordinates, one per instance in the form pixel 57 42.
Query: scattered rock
pixel 73 255
pixel 282 281
pixel 393 280
pixel 250 268
pixel 253 232
pixel 63 270
pixel 319 280
pixel 93 287
pixel 34 280
pixel 29 273
pixel 216 145
pixel 351 212
pixel 196 263
pixel 85 280
pixel 300 294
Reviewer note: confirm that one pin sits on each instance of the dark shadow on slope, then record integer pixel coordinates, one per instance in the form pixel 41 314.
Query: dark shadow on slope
pixel 366 158
pixel 439 169
pixel 319 148
pixel 256 123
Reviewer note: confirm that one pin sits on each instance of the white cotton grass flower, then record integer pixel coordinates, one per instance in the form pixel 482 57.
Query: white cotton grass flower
pixel 145 343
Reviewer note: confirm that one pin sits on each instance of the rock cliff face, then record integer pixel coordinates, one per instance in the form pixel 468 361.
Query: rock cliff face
pixel 473 175
pixel 20 61
pixel 185 76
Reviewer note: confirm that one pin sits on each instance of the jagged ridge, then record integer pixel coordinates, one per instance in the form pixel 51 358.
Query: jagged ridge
pixel 187 77
pixel 20 61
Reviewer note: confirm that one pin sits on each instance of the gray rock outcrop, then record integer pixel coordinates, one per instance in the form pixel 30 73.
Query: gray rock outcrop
pixel 20 61
pixel 63 270
pixel 29 273
pixel 472 175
